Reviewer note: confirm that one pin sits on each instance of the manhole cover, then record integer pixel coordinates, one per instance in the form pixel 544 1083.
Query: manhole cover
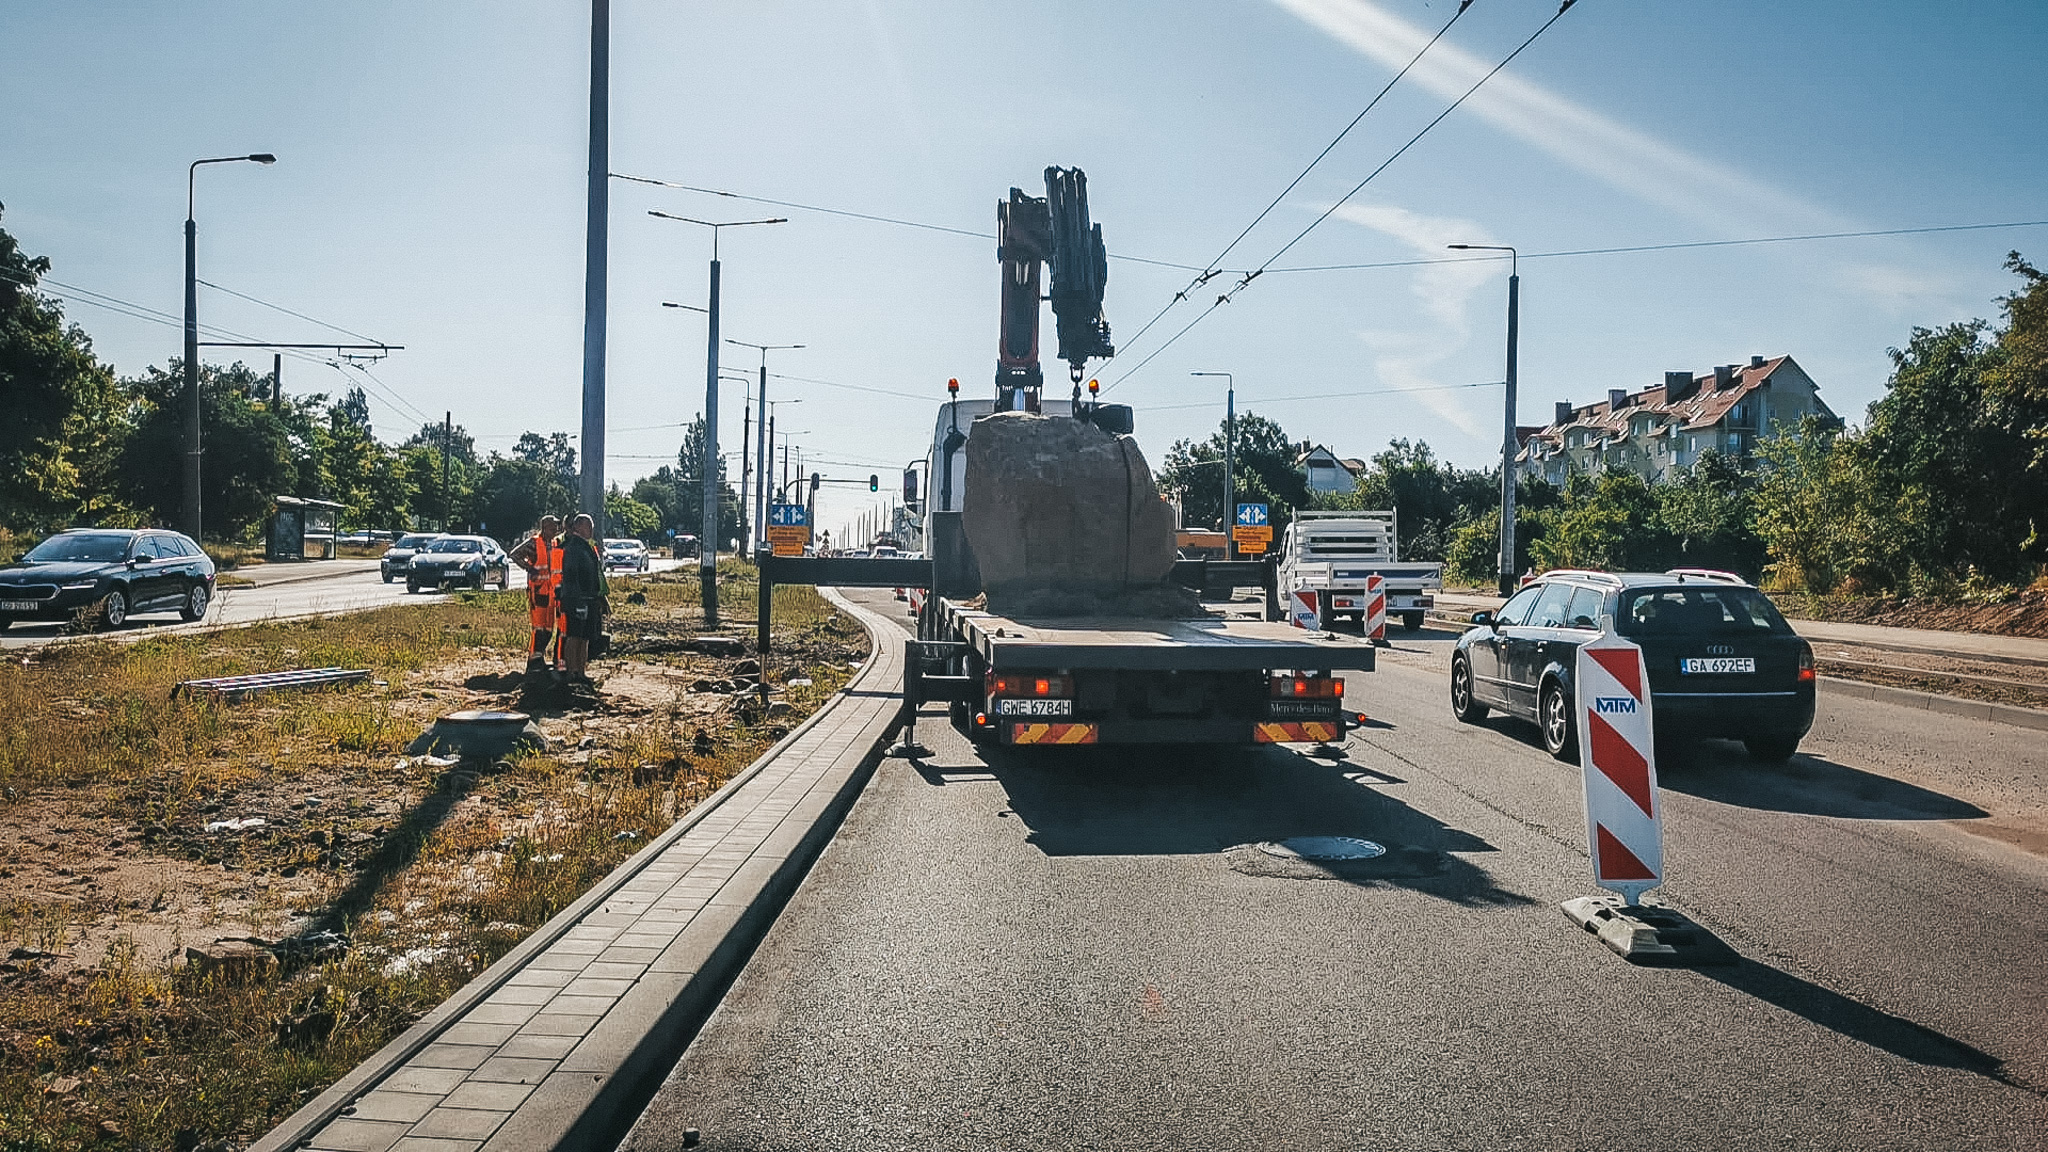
pixel 1323 848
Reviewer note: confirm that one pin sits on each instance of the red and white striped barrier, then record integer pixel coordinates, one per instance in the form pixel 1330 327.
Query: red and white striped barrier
pixel 1305 608
pixel 1375 617
pixel 1618 749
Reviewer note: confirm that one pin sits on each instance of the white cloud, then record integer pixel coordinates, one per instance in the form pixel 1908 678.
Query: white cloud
pixel 1715 194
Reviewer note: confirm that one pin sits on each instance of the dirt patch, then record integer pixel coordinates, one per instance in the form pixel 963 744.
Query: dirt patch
pixel 2020 614
pixel 212 911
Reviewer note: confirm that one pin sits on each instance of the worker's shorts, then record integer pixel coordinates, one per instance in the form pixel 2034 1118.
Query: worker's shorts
pixel 581 619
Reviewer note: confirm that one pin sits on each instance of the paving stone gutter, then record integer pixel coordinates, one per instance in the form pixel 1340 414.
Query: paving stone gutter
pixel 560 1043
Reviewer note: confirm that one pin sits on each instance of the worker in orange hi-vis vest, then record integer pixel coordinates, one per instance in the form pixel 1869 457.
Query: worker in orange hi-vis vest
pixel 541 556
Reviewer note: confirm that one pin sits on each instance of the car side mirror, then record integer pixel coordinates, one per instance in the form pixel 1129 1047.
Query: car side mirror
pixel 1484 618
pixel 134 560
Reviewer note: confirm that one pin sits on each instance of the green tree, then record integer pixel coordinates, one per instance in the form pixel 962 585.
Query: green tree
pixel 1609 521
pixel 513 494
pixel 1264 472
pixel 62 409
pixel 253 451
pixel 625 516
pixel 1709 511
pixel 1430 497
pixel 1809 507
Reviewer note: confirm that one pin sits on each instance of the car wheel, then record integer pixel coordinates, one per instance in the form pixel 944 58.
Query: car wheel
pixel 113 611
pixel 1771 749
pixel 1463 705
pixel 1554 716
pixel 412 586
pixel 1412 621
pixel 197 598
pixel 388 577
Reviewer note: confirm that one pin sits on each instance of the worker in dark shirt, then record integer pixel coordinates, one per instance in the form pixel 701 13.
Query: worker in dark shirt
pixel 583 597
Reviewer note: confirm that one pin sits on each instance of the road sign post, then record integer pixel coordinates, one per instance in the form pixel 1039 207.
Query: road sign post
pixel 789 529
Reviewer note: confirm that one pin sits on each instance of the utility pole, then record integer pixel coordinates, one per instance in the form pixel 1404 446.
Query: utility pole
pixel 447 491
pixel 1510 443
pixel 746 509
pixel 707 553
pixel 276 380
pixel 1229 461
pixel 760 516
pixel 193 447
pixel 596 262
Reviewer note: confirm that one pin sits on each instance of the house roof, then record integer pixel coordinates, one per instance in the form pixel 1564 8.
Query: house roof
pixel 1301 458
pixel 1702 407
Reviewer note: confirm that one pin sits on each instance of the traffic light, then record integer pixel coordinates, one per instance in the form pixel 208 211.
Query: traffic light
pixel 910 492
pixel 814 483
pixel 874 482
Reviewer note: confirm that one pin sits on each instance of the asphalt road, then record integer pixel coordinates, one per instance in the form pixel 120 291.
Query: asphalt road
pixel 1055 950
pixel 282 591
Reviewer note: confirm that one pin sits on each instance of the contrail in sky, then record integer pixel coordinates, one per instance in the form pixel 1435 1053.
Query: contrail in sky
pixel 1714 194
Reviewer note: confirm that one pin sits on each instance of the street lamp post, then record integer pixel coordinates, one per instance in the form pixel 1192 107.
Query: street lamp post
pixel 1229 461
pixel 760 535
pixel 191 515
pixel 707 566
pixel 1510 443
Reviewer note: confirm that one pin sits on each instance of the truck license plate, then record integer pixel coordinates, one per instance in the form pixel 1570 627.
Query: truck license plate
pixel 1716 665
pixel 1034 707
pixel 19 605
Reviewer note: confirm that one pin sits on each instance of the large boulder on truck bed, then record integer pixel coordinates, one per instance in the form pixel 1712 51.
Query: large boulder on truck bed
pixel 1064 519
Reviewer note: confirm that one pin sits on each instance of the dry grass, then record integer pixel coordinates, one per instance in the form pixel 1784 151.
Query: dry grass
pixel 431 873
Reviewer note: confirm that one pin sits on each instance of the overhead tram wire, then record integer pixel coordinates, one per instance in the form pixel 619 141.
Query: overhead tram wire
pixel 1213 270
pixel 1244 283
pixel 868 216
pixel 1244 403
pixel 289 312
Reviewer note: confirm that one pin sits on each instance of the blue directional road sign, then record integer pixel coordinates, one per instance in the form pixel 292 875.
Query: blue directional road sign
pixel 788 516
pixel 1251 515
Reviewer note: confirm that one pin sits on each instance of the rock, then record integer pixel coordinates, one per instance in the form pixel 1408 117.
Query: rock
pixel 231 961
pixel 636 597
pixel 747 668
pixel 1057 506
pixel 781 708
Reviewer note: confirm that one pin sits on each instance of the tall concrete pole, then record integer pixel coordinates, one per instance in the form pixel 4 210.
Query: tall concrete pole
pixel 192 472
pixel 707 553
pixel 1509 443
pixel 595 262
pixel 761 499
pixel 1230 471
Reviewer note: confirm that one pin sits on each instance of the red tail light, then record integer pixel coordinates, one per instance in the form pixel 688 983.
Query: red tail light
pixel 1805 665
pixel 1030 684
pixel 1308 687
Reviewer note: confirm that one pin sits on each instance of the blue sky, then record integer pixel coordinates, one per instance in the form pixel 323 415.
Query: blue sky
pixel 429 192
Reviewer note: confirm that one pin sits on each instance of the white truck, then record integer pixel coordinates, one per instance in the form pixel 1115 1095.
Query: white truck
pixel 1333 554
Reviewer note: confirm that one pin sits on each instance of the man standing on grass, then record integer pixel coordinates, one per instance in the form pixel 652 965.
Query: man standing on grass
pixel 541 556
pixel 583 593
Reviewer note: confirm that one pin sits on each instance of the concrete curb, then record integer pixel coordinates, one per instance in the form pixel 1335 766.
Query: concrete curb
pixel 1934 702
pixel 679 988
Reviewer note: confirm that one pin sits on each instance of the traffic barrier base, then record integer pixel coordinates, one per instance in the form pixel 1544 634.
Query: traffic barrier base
pixel 1650 934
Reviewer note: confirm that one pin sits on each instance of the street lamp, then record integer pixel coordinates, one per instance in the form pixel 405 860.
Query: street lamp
pixel 192 472
pixel 707 567
pixel 1509 444
pixel 760 536
pixel 1229 458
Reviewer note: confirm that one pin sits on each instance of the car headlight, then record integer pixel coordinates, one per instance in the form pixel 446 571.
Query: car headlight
pixel 81 585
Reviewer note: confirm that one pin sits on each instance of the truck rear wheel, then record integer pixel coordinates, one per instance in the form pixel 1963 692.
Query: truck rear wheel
pixel 1412 621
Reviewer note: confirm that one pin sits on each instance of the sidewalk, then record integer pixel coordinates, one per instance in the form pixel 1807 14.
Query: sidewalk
pixel 1972 645
pixel 550 1047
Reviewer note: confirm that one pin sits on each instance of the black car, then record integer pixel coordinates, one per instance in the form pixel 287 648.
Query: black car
pixel 103 576
pixel 399 555
pixel 1721 661
pixel 469 560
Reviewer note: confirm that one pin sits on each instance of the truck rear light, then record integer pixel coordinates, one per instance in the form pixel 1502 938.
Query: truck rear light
pixel 1013 684
pixel 1308 687
pixel 1805 665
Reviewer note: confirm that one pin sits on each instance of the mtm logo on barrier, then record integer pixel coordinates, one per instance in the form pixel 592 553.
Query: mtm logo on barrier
pixel 1618 748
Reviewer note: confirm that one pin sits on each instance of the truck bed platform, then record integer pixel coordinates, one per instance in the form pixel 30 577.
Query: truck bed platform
pixel 1204 644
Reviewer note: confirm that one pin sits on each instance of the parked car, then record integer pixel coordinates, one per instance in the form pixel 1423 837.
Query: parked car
pixel 625 556
pixel 399 556
pixel 1721 661
pixel 471 560
pixel 102 577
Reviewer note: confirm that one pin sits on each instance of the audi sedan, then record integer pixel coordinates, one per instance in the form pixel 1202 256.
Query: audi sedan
pixel 472 561
pixel 1721 661
pixel 98 578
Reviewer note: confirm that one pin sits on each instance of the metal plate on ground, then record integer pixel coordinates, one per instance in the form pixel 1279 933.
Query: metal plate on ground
pixel 1323 848
pixel 1333 858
